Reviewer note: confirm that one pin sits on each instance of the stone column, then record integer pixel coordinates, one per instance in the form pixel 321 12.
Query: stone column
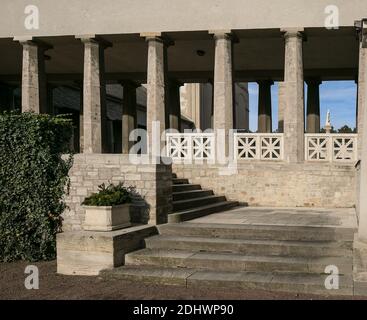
pixel 362 94
pixel 223 85
pixel 174 105
pixel 313 106
pixel 129 118
pixel 362 104
pixel 34 84
pixel 265 113
pixel 281 104
pixel 294 97
pixel 156 91
pixel 94 96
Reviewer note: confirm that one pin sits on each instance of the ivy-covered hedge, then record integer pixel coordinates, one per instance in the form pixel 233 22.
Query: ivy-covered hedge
pixel 33 180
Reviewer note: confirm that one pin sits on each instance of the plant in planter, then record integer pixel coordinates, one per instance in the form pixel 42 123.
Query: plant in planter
pixel 109 208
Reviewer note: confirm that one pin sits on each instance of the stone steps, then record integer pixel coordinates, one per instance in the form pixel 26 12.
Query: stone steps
pixel 193 278
pixel 201 211
pixel 191 194
pixel 185 187
pixel 190 201
pixel 252 247
pixel 215 261
pixel 196 202
pixel 258 232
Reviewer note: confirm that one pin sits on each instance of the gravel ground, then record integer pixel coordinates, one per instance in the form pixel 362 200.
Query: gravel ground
pixel 54 287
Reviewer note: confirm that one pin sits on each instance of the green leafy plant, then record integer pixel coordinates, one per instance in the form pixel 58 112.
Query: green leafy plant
pixel 33 182
pixel 111 195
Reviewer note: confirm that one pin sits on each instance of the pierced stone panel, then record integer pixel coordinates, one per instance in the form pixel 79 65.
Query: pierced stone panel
pixel 331 147
pixel 252 146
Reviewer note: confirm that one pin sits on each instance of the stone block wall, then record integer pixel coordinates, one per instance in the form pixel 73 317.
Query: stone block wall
pixel 153 184
pixel 278 184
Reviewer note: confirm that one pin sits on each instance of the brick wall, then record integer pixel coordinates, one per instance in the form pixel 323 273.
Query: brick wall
pixel 153 184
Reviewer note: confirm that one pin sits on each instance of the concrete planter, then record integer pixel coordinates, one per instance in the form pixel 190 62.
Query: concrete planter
pixel 107 218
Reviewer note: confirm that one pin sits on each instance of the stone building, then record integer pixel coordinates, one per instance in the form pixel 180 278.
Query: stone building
pixel 212 46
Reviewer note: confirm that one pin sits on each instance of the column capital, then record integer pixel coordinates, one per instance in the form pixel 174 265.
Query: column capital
pixel 92 38
pixel 157 36
pixel 224 34
pixel 32 41
pixel 293 33
pixel 361 28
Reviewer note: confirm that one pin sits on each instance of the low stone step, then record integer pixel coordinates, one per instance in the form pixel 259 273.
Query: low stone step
pixel 252 247
pixel 235 262
pixel 197 202
pixel 193 278
pixel 258 232
pixel 185 195
pixel 185 187
pixel 201 211
pixel 180 181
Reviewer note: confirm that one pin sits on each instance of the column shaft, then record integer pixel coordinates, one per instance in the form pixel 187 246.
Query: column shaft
pixel 294 97
pixel 94 98
pixel 34 85
pixel 313 106
pixel 281 106
pixel 223 86
pixel 156 95
pixel 362 104
pixel 129 119
pixel 265 112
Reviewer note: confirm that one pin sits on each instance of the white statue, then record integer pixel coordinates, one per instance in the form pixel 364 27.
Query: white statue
pixel 328 122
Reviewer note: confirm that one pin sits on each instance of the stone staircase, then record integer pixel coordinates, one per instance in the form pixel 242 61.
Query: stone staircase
pixel 190 201
pixel 246 256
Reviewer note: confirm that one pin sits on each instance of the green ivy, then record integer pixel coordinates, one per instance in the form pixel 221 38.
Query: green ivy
pixel 33 181
pixel 111 195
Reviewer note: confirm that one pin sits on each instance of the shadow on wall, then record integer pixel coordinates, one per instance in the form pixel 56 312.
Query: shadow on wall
pixel 140 209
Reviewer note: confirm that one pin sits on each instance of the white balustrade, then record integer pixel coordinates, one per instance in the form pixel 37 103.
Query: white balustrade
pixel 258 146
pixel 331 147
pixel 191 146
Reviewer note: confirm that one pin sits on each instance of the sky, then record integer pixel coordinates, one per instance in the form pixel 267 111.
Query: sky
pixel 337 96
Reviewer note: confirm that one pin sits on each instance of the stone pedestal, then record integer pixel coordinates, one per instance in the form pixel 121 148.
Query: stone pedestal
pixel 89 252
pixel 313 106
pixel 94 96
pixel 129 119
pixel 34 84
pixel 294 97
pixel 223 86
pixel 265 113
pixel 156 95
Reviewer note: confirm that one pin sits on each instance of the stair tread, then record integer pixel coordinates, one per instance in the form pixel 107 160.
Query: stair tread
pixel 187 274
pixel 200 225
pixel 331 244
pixel 189 255
pixel 208 206
pixel 190 191
pixel 197 199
